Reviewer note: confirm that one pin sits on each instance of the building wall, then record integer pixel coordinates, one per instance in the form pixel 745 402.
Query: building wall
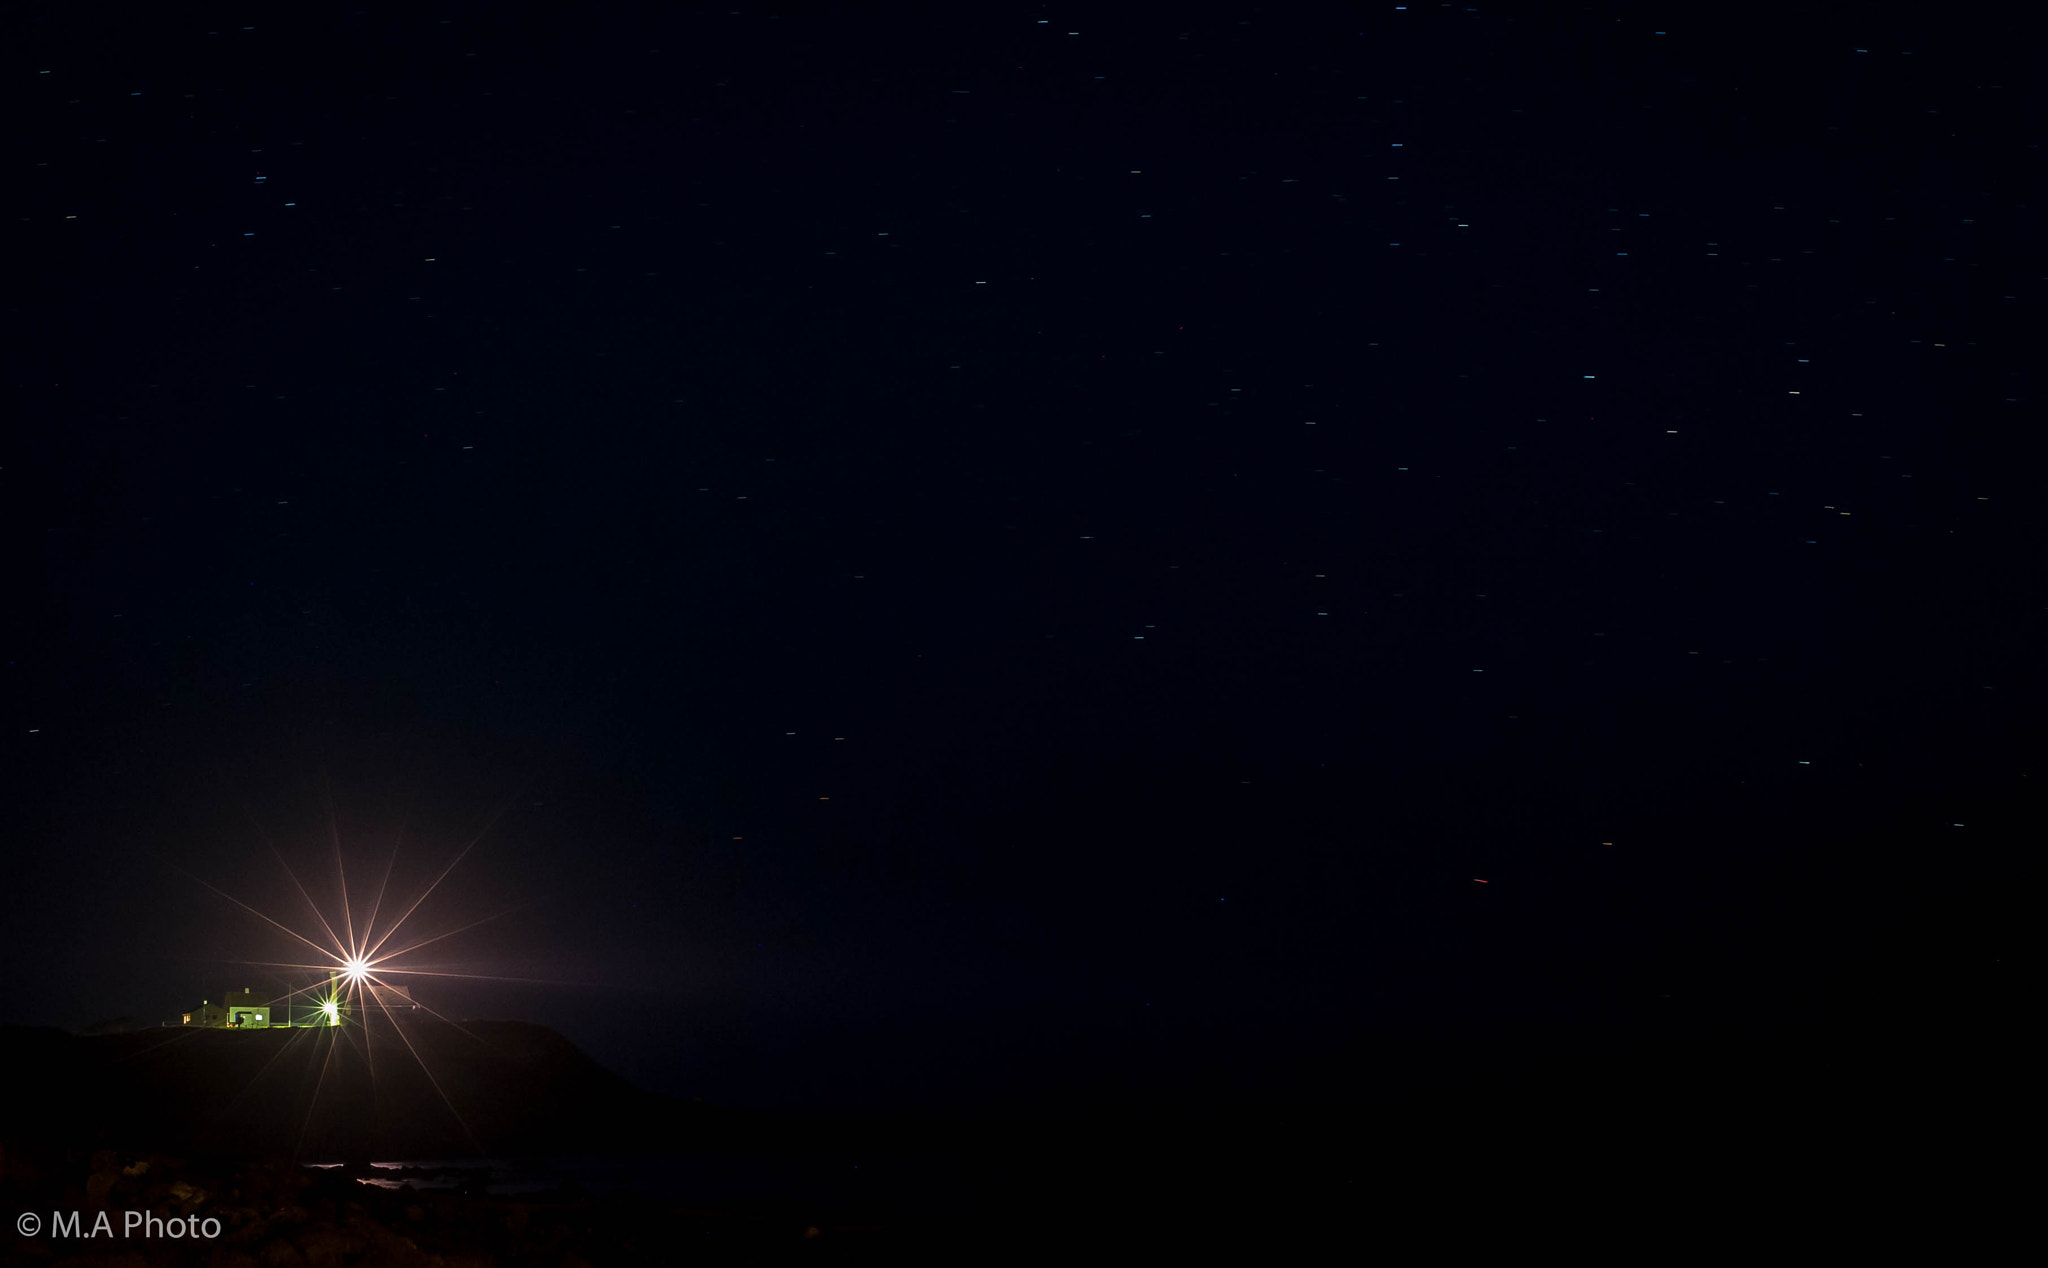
pixel 246 1010
pixel 242 1009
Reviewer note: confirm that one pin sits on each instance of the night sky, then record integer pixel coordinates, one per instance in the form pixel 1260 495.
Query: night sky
pixel 950 556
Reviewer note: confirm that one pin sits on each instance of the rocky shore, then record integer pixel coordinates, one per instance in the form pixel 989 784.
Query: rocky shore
pixel 212 1129
pixel 1626 1147
pixel 160 1210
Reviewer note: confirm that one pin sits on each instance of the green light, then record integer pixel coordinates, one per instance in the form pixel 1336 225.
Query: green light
pixel 333 1010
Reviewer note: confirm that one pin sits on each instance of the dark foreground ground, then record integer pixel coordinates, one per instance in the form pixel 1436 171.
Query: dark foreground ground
pixel 281 1215
pixel 1801 1143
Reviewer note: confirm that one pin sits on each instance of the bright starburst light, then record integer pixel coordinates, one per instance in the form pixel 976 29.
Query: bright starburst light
pixel 354 976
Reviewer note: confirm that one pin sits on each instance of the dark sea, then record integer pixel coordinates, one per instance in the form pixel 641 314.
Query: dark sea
pixel 710 1179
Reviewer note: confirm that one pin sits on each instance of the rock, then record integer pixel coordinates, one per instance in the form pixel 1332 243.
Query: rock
pixel 189 1196
pixel 330 1247
pixel 282 1254
pixel 99 1185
